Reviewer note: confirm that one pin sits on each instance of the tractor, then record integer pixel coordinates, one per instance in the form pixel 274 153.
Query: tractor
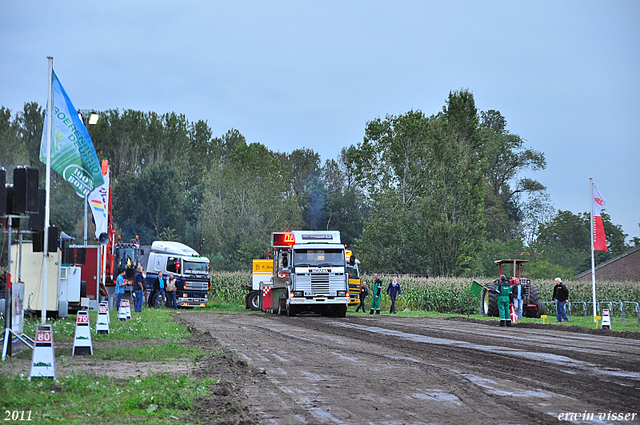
pixel 532 306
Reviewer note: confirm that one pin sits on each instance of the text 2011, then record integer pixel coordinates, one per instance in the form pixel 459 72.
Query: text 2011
pixel 17 415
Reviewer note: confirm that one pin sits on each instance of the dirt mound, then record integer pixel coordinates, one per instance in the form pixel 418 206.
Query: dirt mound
pixel 555 327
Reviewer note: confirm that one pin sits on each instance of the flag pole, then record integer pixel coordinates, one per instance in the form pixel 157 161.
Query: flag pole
pixel 593 261
pixel 47 216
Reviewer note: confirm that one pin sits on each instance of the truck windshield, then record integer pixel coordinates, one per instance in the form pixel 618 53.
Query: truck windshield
pixel 318 258
pixel 126 259
pixel 353 272
pixel 196 267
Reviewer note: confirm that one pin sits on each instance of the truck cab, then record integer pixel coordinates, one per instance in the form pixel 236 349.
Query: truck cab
pixel 190 270
pixel 353 272
pixel 310 272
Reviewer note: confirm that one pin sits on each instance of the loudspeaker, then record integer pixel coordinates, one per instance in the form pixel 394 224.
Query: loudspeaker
pixel 54 238
pixel 67 255
pixel 36 220
pixel 15 222
pixel 103 238
pixel 33 204
pixel 3 191
pixel 81 255
pixel 38 240
pixel 38 237
pixel 25 190
pixel 19 190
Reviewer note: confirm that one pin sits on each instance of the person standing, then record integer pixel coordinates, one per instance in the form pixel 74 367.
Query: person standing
pixel 377 294
pixel 171 292
pixel 394 291
pixel 158 286
pixel 560 295
pixel 516 293
pixel 503 289
pixel 363 296
pixel 119 289
pixel 138 286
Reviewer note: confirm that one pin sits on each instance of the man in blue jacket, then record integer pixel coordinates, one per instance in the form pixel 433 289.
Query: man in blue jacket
pixel 394 291
pixel 119 289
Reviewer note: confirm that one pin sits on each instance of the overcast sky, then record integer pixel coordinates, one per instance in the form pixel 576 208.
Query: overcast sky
pixel 294 74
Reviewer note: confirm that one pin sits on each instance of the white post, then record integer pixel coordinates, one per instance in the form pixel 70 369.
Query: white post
pixel 593 261
pixel 86 201
pixel 47 213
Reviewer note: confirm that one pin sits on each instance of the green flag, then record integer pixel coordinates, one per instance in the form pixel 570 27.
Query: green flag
pixel 475 288
pixel 72 153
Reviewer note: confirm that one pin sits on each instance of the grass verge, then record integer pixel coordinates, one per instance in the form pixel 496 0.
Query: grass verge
pixel 153 337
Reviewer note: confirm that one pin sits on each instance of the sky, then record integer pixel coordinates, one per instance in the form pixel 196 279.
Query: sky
pixel 311 74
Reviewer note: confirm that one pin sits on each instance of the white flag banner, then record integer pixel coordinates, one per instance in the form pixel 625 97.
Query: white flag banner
pixel 99 201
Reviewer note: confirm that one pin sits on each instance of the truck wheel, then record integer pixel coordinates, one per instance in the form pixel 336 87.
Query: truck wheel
pixel 253 300
pixel 489 301
pixel 342 311
pixel 291 311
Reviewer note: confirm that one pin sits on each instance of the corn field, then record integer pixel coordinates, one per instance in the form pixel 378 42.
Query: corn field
pixel 443 295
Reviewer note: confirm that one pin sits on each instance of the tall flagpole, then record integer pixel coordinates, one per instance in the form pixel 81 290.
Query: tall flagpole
pixel 47 214
pixel 593 261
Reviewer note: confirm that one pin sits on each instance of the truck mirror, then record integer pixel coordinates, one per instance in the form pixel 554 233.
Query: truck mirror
pixel 285 260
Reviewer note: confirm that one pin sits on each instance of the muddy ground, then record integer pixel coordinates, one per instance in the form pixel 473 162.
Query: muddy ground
pixel 386 369
pixel 406 370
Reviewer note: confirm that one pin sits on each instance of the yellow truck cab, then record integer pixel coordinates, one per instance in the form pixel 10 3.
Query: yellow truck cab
pixel 354 277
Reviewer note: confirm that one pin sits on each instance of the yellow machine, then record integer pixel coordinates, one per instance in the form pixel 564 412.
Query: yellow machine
pixel 354 277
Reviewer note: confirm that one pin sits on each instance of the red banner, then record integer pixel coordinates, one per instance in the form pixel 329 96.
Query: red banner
pixel 599 239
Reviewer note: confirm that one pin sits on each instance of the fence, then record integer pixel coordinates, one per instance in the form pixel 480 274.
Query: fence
pixel 586 307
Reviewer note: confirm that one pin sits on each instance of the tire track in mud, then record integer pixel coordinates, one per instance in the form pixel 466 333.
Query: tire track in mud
pixel 391 370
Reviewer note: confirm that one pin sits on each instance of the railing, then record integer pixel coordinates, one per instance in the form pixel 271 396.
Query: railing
pixel 587 307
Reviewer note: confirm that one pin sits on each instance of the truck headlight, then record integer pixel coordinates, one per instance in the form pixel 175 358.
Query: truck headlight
pixel 297 294
pixel 342 293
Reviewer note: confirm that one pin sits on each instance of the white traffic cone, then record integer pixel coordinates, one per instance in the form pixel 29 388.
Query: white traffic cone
pixel 43 363
pixel 82 340
pixel 127 306
pixel 606 319
pixel 122 311
pixel 102 324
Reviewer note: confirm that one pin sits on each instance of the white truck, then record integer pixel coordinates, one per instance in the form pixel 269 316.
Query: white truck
pixel 309 273
pixel 190 269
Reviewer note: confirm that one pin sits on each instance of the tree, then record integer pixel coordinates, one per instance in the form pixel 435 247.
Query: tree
pixel 423 177
pixel 246 197
pixel 303 167
pixel 566 241
pixel 506 157
pixel 345 209
pixel 148 203
pixel 13 151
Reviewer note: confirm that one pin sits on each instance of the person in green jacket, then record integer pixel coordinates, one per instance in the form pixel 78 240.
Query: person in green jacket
pixel 377 294
pixel 503 289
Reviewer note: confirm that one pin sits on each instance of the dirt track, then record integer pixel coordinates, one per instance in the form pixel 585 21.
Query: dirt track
pixel 397 370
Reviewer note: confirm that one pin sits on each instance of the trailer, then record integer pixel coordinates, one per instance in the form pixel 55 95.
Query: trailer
pixel 66 282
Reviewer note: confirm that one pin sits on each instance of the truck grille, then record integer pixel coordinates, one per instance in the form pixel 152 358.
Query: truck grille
pixel 195 286
pixel 321 283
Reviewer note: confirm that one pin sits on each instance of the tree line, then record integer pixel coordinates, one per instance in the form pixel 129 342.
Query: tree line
pixel 439 194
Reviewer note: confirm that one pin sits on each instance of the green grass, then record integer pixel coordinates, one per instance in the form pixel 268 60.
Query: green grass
pixel 152 324
pixel 79 398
